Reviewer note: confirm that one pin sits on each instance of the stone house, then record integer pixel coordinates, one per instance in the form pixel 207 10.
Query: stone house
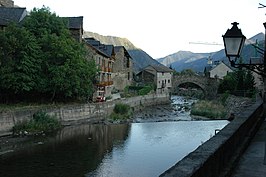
pixel 217 71
pixel 159 75
pixel 104 57
pixel 11 15
pixel 122 69
pixel 75 26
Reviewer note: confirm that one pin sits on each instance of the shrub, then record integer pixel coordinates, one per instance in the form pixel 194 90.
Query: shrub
pixel 41 122
pixel 145 90
pixel 121 111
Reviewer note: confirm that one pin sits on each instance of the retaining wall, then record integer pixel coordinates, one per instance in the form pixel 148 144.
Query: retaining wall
pixel 218 156
pixel 69 114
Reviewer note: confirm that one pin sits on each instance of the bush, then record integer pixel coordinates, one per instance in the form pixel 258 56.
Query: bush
pixel 41 122
pixel 131 91
pixel 145 90
pixel 121 111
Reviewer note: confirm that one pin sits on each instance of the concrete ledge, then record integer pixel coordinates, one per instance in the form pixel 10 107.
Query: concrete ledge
pixel 217 156
pixel 76 113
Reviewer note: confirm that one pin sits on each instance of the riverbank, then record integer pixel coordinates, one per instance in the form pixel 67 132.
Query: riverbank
pixel 72 114
pixel 177 110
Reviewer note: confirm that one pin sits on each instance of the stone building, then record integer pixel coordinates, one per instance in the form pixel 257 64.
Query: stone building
pixel 122 69
pixel 75 26
pixel 104 57
pixel 159 75
pixel 11 15
pixel 6 3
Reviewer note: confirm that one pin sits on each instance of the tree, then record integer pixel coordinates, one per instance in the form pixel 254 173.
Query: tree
pixel 68 74
pixel 228 83
pixel 240 80
pixel 188 72
pixel 19 62
pixel 42 58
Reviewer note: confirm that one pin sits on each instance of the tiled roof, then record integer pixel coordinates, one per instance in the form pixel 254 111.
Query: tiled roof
pixel 11 14
pixel 161 68
pixel 106 49
pixel 74 22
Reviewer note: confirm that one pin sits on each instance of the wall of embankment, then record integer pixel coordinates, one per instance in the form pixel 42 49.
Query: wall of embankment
pixel 219 155
pixel 74 113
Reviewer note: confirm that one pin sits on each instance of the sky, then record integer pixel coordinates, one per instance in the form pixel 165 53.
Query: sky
pixel 162 27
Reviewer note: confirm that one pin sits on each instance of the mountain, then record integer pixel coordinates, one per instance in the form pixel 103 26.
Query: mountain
pixel 257 37
pixel 198 61
pixel 186 60
pixel 140 58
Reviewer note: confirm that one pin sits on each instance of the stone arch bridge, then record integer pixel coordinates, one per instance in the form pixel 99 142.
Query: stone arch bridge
pixel 208 85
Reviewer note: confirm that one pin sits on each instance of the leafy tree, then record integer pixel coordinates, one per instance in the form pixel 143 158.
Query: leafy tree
pixel 188 72
pixel 41 58
pixel 239 80
pixel 228 83
pixel 19 62
pixel 68 74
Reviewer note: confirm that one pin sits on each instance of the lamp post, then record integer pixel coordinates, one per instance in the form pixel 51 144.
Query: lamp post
pixel 234 41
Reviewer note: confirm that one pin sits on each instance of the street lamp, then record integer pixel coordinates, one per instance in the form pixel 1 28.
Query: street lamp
pixel 234 41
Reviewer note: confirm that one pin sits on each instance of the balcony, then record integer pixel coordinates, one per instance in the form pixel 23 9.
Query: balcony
pixel 104 83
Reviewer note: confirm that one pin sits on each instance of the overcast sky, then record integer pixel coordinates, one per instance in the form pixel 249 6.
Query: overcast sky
pixel 162 27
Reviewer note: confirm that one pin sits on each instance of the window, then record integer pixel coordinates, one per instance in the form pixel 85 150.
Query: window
pixel 168 81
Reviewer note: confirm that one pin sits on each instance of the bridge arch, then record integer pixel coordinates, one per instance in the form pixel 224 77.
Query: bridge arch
pixel 209 86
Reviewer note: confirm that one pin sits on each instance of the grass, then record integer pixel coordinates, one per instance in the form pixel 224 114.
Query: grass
pixel 209 109
pixel 41 122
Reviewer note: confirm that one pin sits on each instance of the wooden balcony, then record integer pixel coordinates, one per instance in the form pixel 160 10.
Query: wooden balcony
pixel 104 83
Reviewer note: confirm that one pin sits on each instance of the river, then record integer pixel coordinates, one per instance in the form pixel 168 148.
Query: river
pixel 145 148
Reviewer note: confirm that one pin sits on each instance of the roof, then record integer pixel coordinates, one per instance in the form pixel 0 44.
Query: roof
pixel 220 63
pixel 74 22
pixel 94 44
pixel 106 49
pixel 11 14
pixel 160 68
pixel 117 48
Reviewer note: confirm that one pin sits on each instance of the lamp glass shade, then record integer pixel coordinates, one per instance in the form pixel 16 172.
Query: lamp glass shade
pixel 234 41
pixel 233 46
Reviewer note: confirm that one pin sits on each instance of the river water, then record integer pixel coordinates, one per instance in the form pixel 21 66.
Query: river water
pixel 145 149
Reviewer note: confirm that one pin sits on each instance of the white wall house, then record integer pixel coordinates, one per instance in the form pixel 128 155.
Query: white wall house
pixel 220 70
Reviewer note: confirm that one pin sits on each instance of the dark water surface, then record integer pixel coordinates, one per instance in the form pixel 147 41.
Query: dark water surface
pixel 137 149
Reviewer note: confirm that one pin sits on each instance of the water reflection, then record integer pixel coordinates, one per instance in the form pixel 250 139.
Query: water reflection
pixel 151 148
pixel 127 150
pixel 71 153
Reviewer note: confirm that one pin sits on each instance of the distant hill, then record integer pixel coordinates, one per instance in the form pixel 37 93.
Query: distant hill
pixel 198 61
pixel 140 58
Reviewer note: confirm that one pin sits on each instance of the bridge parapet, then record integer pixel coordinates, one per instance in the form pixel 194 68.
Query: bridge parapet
pixel 218 155
pixel 208 85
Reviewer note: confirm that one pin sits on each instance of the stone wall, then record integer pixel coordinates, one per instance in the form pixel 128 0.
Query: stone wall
pixel 218 156
pixel 70 114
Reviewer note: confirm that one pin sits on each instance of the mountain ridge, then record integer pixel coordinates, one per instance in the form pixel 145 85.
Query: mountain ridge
pixel 180 60
pixel 140 58
pixel 198 61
